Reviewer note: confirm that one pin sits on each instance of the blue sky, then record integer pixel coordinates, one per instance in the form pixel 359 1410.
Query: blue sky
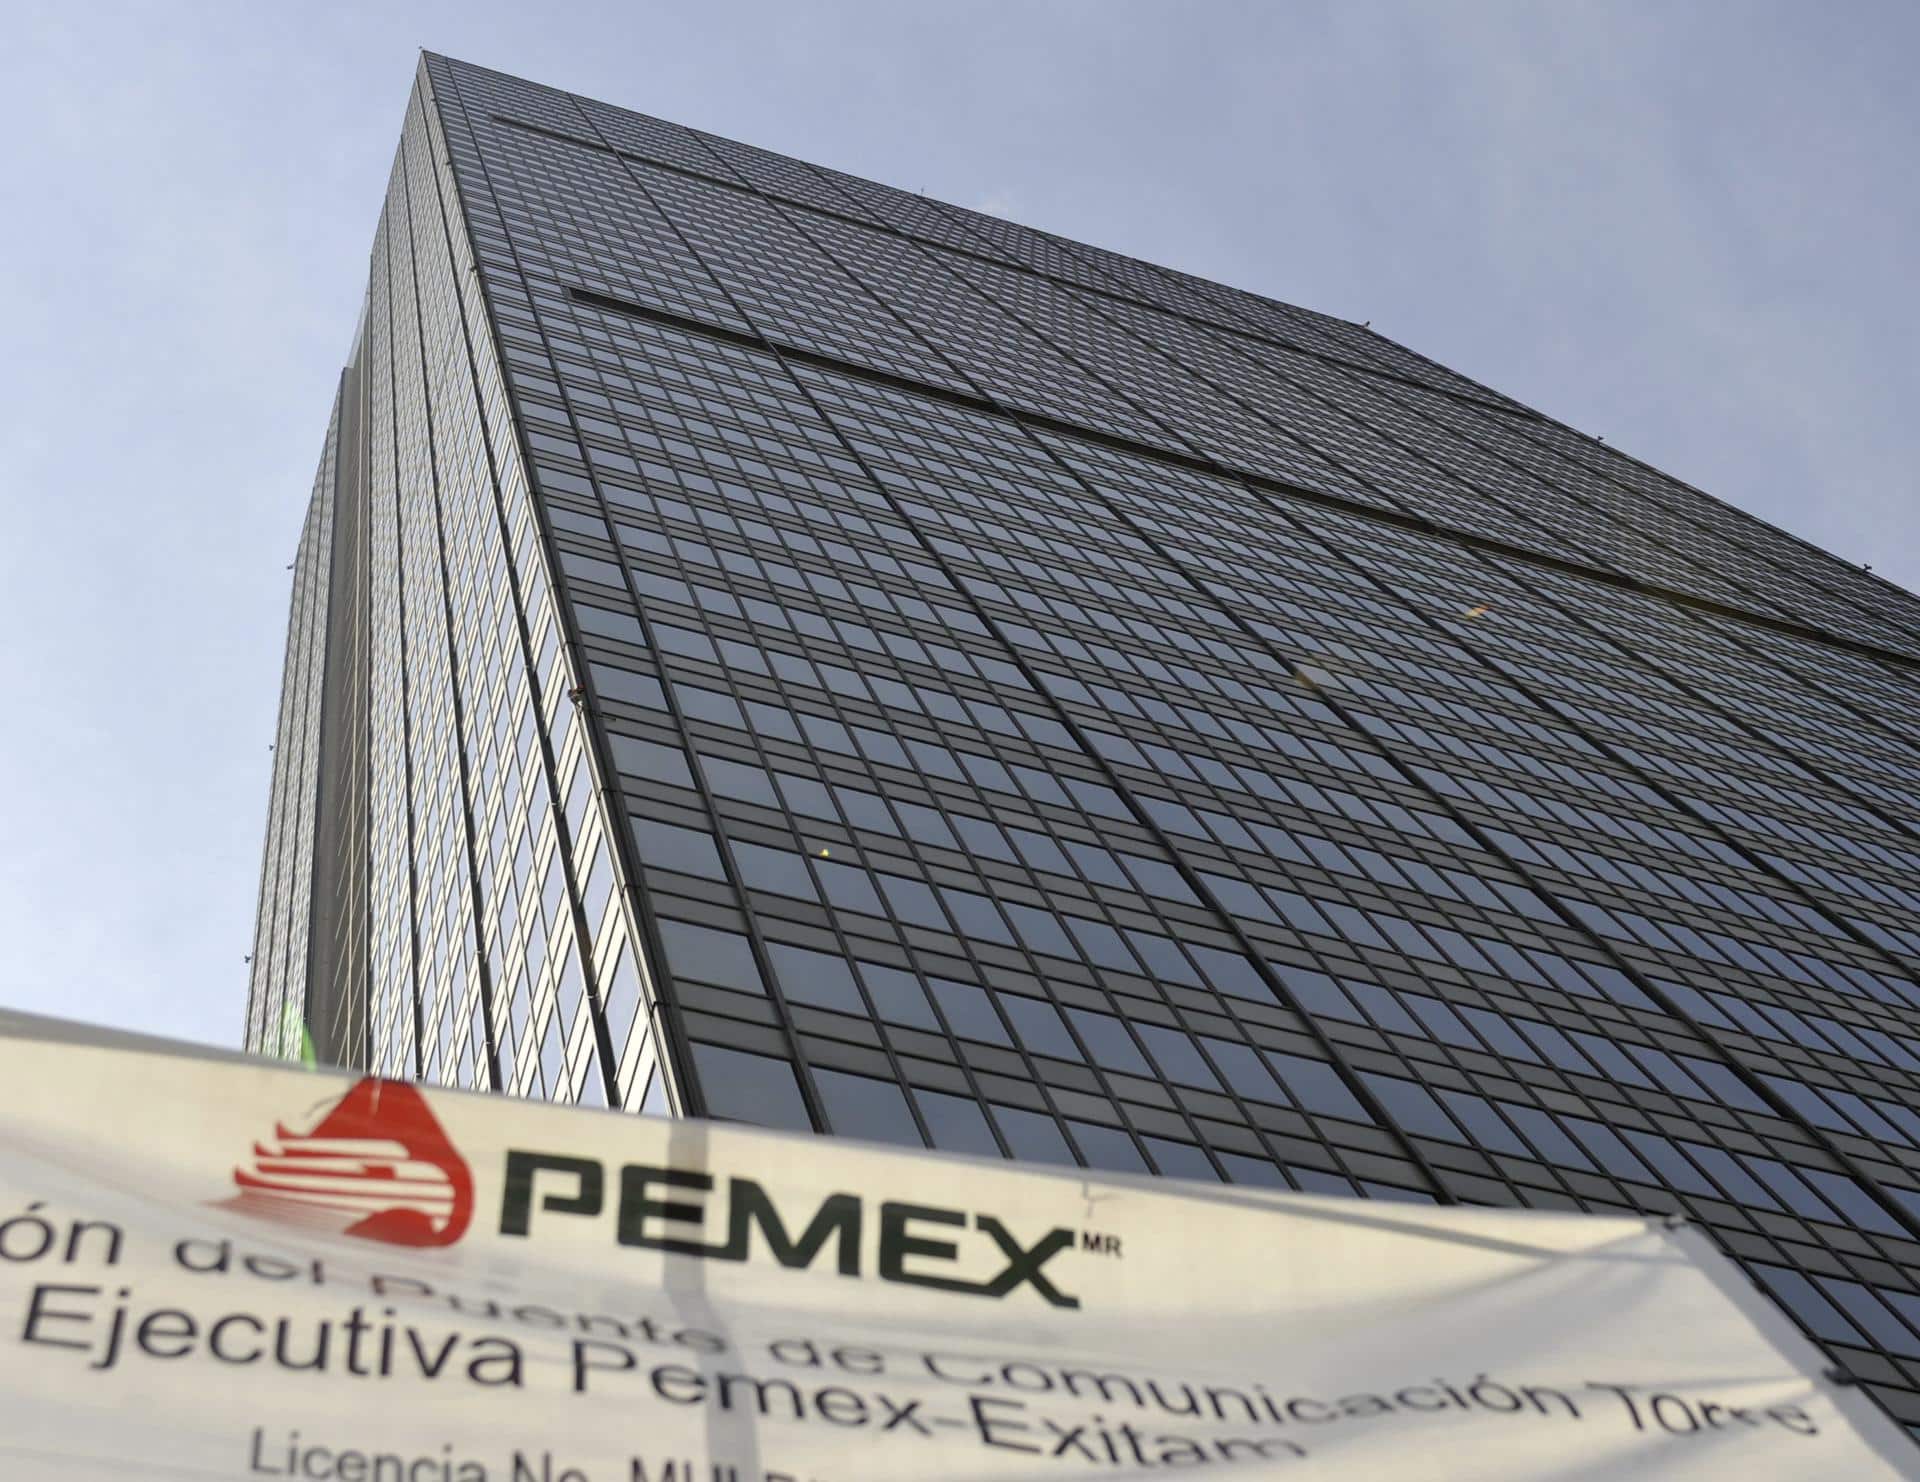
pixel 1690 229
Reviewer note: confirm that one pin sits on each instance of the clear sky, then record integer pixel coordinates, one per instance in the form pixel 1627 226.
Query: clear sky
pixel 1691 229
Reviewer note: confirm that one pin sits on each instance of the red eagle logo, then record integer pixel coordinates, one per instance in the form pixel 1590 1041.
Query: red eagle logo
pixel 376 1165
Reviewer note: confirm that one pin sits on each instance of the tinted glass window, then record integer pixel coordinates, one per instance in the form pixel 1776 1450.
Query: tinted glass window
pixel 750 1088
pixel 860 1106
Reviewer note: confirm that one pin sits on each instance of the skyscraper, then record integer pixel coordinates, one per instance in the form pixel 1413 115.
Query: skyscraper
pixel 769 645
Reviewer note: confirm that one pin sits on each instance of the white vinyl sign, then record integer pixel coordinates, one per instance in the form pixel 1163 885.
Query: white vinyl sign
pixel 212 1268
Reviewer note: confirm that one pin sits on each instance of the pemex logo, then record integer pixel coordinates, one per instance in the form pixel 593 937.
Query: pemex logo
pixel 376 1165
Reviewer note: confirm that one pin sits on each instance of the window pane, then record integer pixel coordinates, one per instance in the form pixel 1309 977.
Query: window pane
pixel 779 871
pixel 1180 1159
pixel 957 1123
pixel 860 1106
pixel 654 763
pixel 1317 1086
pixel 1544 1133
pixel 1605 1145
pixel 1231 973
pixel 969 1011
pixel 750 1088
pixel 1107 1147
pixel 735 780
pixel 1319 1181
pixel 1797 1294
pixel 1859 1207
pixel 666 846
pixel 1032 1136
pixel 1412 1106
pixel 897 996
pixel 709 956
pixel 1039 1026
pixel 813 977
pixel 1245 1071
pixel 1870 1313
pixel 848 888
pixel 1256 1171
pixel 1109 1043
pixel 1178 1056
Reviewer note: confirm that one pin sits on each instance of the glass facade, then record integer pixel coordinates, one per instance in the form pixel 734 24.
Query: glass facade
pixel 768 645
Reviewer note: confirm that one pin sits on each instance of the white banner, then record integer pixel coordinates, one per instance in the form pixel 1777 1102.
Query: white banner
pixel 224 1269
